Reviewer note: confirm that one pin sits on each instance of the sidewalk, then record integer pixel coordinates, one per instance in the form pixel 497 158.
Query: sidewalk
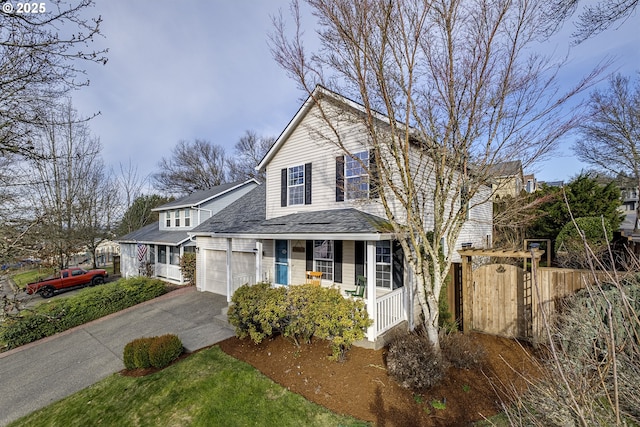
pixel 40 373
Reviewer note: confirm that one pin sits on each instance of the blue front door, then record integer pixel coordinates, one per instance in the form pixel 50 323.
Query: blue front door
pixel 282 262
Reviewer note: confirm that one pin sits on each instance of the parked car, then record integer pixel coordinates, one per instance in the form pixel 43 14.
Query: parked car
pixel 66 279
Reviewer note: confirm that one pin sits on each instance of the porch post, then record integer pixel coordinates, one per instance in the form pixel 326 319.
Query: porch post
pixel 258 261
pixel 371 290
pixel 229 269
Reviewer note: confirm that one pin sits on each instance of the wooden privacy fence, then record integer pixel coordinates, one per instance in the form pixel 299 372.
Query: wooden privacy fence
pixel 503 299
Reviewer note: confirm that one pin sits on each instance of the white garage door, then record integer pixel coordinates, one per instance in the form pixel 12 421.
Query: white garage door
pixel 243 269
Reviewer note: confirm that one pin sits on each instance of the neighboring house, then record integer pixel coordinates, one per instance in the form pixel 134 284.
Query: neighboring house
pixel 157 248
pixel 530 183
pixel 508 179
pixel 318 211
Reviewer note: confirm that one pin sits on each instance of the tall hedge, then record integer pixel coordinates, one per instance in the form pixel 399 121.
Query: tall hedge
pixel 89 304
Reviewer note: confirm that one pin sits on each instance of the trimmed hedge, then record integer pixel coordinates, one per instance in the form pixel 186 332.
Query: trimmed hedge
pixel 164 350
pixel 300 313
pixel 89 304
pixel 158 352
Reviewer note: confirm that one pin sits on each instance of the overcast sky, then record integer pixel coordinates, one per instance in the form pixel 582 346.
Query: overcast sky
pixel 196 69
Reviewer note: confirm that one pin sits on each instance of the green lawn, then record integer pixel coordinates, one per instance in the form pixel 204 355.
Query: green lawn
pixel 21 279
pixel 208 388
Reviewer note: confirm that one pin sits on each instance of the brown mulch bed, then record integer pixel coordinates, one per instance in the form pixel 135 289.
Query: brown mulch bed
pixel 360 386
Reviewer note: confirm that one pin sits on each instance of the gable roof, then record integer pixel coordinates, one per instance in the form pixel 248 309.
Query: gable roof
pixel 505 169
pixel 318 93
pixel 151 234
pixel 199 197
pixel 246 218
pixel 238 216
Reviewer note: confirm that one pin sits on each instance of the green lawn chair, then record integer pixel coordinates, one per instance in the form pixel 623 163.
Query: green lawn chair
pixel 361 285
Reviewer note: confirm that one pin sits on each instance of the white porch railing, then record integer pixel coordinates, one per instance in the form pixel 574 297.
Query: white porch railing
pixel 169 271
pixel 390 310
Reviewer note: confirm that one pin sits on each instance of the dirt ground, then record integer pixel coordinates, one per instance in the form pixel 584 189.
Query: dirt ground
pixel 360 386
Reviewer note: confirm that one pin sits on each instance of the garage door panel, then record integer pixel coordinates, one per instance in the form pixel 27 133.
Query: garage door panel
pixel 242 265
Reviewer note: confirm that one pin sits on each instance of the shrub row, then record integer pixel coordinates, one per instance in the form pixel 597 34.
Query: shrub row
pixel 89 304
pixel 154 351
pixel 300 313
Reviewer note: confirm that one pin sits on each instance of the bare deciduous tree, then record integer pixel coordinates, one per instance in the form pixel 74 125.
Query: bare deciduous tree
pixel 611 137
pixel 460 89
pixel 593 18
pixel 249 150
pixel 39 62
pixel 67 177
pixel 193 166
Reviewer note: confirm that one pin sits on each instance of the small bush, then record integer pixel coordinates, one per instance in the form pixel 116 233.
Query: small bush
pixel 461 350
pixel 127 356
pixel 188 267
pixel 141 353
pixel 298 312
pixel 158 352
pixel 340 320
pixel 258 311
pixel 413 363
pixel 164 350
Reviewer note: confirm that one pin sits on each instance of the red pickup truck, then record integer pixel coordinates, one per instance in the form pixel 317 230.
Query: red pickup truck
pixel 69 278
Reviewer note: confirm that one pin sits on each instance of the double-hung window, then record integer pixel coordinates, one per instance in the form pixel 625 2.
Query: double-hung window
pixel 383 264
pixel 167 216
pixel 295 185
pixel 323 255
pixel 178 213
pixel 187 218
pixel 356 175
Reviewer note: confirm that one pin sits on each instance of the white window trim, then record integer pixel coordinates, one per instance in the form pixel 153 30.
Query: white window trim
pixel 331 260
pixel 390 264
pixel 296 186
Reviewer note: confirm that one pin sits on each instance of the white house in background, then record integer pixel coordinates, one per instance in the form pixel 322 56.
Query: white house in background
pixel 318 211
pixel 160 245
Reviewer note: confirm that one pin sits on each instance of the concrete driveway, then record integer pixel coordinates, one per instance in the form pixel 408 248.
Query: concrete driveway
pixel 40 373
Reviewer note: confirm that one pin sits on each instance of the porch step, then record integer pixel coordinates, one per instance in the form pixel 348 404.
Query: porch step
pixel 222 319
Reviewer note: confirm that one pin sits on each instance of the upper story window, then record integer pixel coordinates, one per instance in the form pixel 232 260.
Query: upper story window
pixel 187 218
pixel 167 216
pixel 295 184
pixel 357 176
pixel 178 218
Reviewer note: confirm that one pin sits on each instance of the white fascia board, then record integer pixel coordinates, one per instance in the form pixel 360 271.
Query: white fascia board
pixel 304 236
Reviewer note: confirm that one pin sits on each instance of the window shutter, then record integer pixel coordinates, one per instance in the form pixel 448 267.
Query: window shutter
pixel 398 265
pixel 337 261
pixel 307 184
pixel 359 258
pixel 374 178
pixel 340 179
pixel 309 255
pixel 283 187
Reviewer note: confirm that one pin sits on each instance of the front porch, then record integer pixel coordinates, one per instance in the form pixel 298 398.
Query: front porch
pixel 338 263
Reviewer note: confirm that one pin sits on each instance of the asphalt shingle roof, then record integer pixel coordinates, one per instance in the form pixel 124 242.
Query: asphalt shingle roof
pixel 152 234
pixel 199 197
pixel 247 216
